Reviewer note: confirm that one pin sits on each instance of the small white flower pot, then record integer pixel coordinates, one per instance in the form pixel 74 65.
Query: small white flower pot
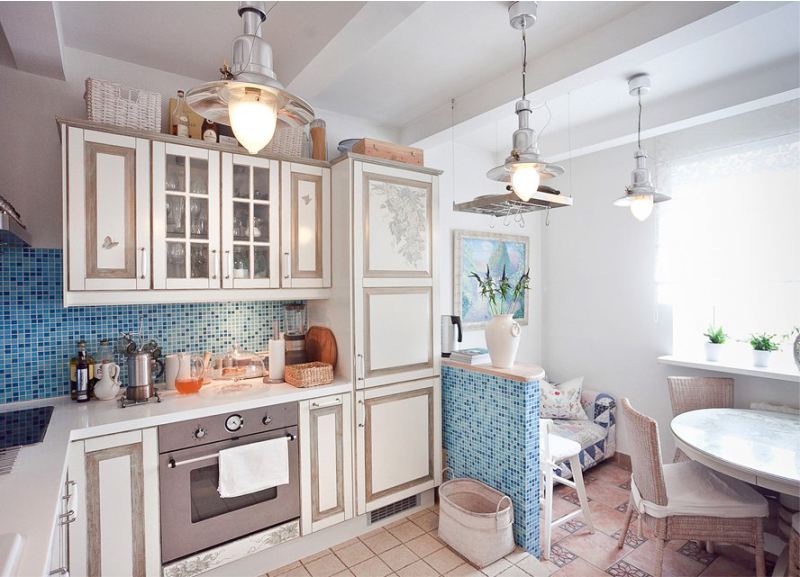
pixel 502 340
pixel 761 358
pixel 713 351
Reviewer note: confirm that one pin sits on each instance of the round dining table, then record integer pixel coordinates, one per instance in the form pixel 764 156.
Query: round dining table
pixel 759 447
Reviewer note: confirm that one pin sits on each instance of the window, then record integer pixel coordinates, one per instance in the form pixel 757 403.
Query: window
pixel 729 243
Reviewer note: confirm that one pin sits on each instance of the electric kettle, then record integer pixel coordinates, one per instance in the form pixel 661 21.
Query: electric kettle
pixel 449 324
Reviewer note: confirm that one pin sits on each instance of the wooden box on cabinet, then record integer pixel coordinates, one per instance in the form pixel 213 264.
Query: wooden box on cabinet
pixel 117 530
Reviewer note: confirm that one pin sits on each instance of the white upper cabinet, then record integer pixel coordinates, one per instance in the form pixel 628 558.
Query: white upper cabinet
pixel 186 227
pixel 305 226
pixel 395 243
pixel 250 222
pixel 107 211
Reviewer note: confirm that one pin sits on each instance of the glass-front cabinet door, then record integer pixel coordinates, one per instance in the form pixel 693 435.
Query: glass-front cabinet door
pixel 305 226
pixel 186 200
pixel 250 222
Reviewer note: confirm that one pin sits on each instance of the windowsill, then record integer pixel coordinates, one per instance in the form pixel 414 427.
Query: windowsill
pixel 780 373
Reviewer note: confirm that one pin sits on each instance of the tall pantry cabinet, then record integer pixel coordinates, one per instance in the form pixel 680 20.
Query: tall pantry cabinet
pixel 386 213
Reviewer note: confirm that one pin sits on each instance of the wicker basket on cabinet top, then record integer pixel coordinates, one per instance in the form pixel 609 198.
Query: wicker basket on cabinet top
pixel 113 103
pixel 308 374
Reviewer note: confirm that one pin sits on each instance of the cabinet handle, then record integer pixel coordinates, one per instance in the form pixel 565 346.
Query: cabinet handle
pixel 287 265
pixel 59 571
pixel 331 403
pixel 216 264
pixel 67 518
pixel 360 374
pixel 144 263
pixel 227 264
pixel 361 425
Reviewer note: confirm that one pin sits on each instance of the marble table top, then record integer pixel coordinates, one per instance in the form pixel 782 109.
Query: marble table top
pixel 759 447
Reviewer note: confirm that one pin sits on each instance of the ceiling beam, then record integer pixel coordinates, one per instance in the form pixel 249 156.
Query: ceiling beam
pixel 374 21
pixel 615 49
pixel 33 32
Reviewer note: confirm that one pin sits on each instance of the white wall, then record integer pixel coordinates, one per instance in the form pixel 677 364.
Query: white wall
pixel 601 319
pixel 470 181
pixel 30 163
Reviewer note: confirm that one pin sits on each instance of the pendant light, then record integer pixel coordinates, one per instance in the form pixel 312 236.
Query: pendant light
pixel 249 98
pixel 524 168
pixel 641 194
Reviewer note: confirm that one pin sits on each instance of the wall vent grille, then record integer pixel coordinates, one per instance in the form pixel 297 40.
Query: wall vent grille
pixel 7 459
pixel 394 508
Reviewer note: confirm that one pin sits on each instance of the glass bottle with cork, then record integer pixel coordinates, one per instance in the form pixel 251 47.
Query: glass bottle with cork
pixel 73 371
pixel 179 118
pixel 82 376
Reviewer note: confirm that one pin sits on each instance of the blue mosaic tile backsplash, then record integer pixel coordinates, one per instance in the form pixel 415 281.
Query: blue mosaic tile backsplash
pixel 38 335
pixel 491 433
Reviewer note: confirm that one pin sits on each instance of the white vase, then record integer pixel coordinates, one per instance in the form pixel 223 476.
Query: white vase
pixel 502 340
pixel 713 350
pixel 761 358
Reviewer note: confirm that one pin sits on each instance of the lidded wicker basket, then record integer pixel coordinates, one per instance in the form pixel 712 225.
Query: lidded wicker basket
pixel 308 374
pixel 113 103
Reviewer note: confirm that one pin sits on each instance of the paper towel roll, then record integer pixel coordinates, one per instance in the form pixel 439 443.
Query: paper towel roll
pixel 277 359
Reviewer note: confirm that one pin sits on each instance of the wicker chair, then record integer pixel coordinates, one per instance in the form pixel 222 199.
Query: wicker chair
pixel 687 500
pixel 693 393
pixel 794 547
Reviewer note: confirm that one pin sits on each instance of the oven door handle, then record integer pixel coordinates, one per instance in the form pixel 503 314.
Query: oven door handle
pixel 172 463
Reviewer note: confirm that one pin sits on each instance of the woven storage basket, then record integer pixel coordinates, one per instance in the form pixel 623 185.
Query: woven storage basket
pixel 113 103
pixel 287 141
pixel 476 520
pixel 308 374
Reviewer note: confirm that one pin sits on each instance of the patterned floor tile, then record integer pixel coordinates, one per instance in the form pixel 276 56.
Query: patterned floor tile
pixel 572 526
pixel 693 551
pixel 623 508
pixel 623 569
pixel 632 540
pixel 626 485
pixel 572 497
pixel 561 556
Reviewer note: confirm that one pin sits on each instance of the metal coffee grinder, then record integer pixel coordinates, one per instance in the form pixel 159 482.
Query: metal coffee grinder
pixel 449 324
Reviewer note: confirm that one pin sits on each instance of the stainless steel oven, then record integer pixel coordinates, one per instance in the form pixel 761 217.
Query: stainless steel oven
pixel 193 515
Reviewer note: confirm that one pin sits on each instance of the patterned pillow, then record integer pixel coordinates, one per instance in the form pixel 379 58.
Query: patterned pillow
pixel 562 401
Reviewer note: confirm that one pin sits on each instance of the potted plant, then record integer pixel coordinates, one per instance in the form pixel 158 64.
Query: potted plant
pixel 763 345
pixel 716 339
pixel 502 332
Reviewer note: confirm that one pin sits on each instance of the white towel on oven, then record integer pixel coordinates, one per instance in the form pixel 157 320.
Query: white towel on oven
pixel 254 467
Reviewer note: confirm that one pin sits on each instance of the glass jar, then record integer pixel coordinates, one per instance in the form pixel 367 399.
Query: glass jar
pixel 294 317
pixel 105 352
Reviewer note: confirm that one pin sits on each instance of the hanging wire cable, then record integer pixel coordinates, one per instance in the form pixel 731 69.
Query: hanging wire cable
pixel 639 128
pixel 453 146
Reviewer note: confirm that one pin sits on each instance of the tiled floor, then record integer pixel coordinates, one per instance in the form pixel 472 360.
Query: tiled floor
pixel 410 547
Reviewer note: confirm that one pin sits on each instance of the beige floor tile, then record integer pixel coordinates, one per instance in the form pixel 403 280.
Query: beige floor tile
pixel 354 553
pixel 644 557
pixel 380 541
pixel 444 560
pixel 532 566
pixel 284 569
pixel 405 531
pixel 465 570
pixel 324 566
pixel 513 571
pixel 372 567
pixel 399 557
pixel 316 555
pixel 579 568
pixel 517 555
pixel 606 519
pixel 597 548
pixel 345 573
pixel 418 569
pixel 424 545
pixel 496 568
pixel 296 571
pixel 429 521
pixel 607 494
pixel 345 544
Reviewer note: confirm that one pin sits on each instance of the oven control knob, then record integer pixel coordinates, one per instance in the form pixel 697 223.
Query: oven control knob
pixel 199 433
pixel 234 423
pixel 266 420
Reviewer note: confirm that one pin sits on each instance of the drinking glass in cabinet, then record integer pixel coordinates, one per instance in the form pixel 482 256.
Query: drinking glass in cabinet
pixel 199 260
pixel 260 223
pixel 176 260
pixel 199 217
pixel 241 221
pixel 241 181
pixel 260 183
pixel 241 262
pixel 261 262
pixel 176 173
pixel 176 215
pixel 198 175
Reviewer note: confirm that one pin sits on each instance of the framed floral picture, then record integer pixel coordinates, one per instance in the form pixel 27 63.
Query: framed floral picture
pixel 473 252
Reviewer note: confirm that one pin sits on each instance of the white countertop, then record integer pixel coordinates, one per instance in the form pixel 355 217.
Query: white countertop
pixel 29 495
pixel 519 372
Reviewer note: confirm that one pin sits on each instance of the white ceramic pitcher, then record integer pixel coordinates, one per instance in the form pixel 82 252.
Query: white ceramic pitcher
pixel 107 388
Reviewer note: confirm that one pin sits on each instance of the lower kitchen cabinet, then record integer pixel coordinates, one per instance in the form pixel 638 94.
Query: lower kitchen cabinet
pixel 116 529
pixel 398 442
pixel 326 464
pixel 67 514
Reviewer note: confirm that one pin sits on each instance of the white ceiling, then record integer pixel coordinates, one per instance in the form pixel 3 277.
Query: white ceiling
pixel 194 38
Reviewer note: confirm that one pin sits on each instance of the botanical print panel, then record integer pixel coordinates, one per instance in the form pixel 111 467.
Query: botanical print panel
pixel 398 227
pixel 473 252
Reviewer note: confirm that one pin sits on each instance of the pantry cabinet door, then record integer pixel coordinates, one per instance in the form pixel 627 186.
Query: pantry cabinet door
pixel 116 530
pixel 250 222
pixel 108 203
pixel 186 217
pixel 305 226
pixel 326 478
pixel 398 442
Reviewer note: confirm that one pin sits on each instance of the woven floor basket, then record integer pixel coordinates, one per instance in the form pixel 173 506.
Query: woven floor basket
pixel 112 103
pixel 476 520
pixel 308 374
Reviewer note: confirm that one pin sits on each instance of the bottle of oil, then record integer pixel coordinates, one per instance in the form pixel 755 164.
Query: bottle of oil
pixel 82 374
pixel 179 120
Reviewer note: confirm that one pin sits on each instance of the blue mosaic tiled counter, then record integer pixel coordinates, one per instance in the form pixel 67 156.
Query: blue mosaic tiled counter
pixel 490 422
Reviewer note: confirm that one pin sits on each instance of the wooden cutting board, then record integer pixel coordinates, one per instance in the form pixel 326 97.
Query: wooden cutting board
pixel 321 345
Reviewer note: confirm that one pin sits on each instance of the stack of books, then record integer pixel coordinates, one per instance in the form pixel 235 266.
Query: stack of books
pixel 475 356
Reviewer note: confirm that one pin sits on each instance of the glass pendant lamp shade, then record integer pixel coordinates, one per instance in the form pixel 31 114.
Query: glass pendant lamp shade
pixel 525 180
pixel 250 99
